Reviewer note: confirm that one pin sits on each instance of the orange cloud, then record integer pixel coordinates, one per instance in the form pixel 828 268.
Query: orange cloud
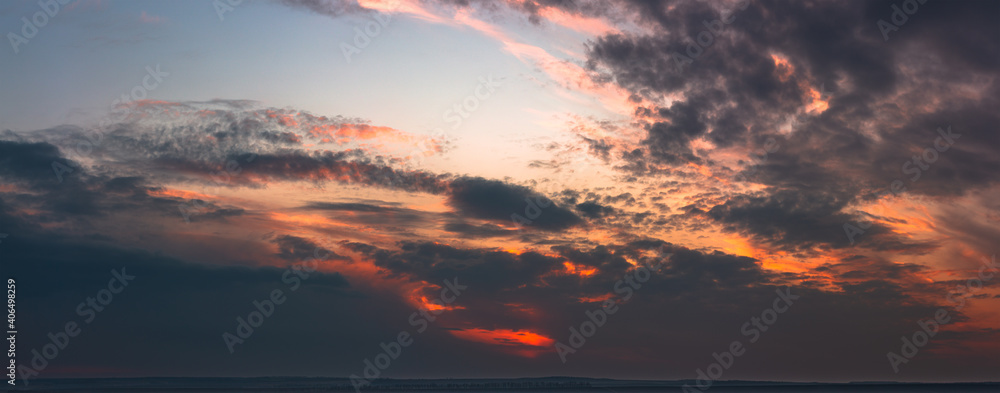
pixel 520 342
pixel 413 8
pixel 592 26
pixel 314 220
pixel 287 120
pixel 417 298
pixel 580 270
pixel 596 299
pixel 783 68
pixel 176 193
pixel 343 133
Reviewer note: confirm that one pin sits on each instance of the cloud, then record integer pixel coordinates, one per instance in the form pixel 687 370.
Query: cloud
pixel 30 162
pixel 467 230
pixel 758 83
pixel 843 109
pixel 594 210
pixel 151 19
pixel 495 200
pixel 325 7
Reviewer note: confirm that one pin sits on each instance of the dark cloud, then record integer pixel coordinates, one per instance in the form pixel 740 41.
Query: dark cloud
pixel 31 162
pixel 687 304
pixel 795 220
pixel 333 8
pixel 594 209
pixel 339 166
pixel 600 148
pixel 354 207
pixel 63 190
pixel 495 200
pixel 294 248
pixel 467 230
pixel 762 72
pixel 670 141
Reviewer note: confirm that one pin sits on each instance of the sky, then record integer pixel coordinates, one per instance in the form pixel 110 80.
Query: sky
pixel 812 180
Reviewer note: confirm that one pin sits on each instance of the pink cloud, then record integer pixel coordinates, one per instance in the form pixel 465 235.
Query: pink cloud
pixel 86 4
pixel 151 19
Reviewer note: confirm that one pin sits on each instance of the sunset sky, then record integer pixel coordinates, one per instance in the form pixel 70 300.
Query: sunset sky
pixel 536 152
